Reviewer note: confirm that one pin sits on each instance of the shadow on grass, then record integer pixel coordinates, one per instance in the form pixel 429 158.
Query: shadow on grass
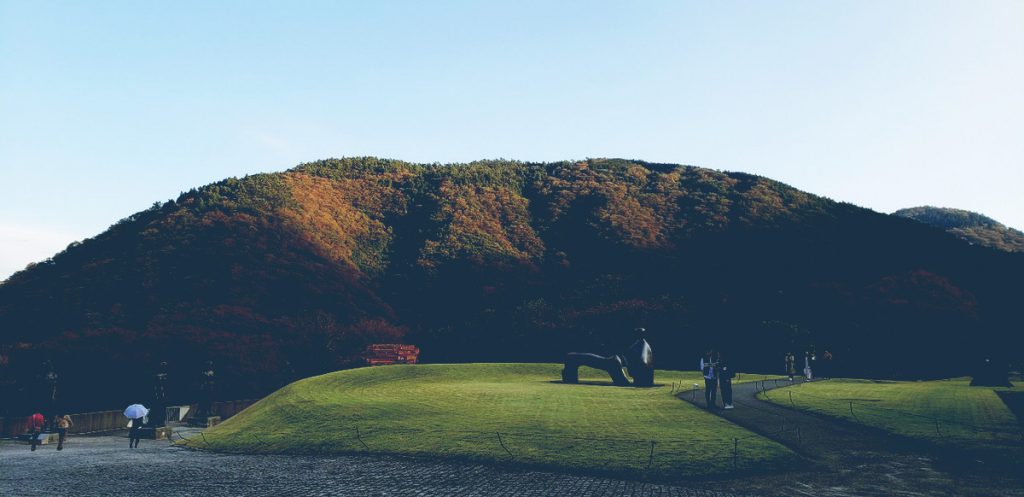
pixel 598 383
pixel 1015 403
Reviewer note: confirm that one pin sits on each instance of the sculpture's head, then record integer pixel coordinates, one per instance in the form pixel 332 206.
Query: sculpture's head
pixel 640 332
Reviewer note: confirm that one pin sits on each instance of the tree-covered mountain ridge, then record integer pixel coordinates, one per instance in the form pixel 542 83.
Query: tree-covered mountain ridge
pixel 279 275
pixel 968 225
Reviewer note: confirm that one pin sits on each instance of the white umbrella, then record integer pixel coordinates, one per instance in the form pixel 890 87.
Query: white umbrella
pixel 136 411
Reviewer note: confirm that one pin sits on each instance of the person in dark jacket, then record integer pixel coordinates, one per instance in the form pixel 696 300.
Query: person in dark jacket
pixel 725 376
pixel 134 434
pixel 707 368
pixel 790 365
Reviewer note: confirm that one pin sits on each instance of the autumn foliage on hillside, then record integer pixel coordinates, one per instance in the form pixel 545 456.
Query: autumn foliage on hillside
pixel 278 276
pixel 970 226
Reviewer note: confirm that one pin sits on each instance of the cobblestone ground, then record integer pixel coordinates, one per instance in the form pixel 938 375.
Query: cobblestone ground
pixel 105 466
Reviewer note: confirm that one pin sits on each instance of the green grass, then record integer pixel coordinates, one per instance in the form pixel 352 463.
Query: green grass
pixel 943 411
pixel 458 411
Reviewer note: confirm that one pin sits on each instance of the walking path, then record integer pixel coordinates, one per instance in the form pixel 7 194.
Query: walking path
pixel 843 458
pixel 103 466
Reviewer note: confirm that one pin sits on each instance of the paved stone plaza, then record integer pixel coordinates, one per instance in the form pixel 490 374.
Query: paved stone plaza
pixel 105 466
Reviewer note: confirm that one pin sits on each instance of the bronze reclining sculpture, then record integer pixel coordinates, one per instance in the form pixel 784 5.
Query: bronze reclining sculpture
pixel 638 361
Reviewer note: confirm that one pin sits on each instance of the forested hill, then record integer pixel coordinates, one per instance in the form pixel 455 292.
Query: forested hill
pixel 970 226
pixel 276 276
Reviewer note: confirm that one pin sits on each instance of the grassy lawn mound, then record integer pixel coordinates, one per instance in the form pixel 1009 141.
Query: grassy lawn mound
pixel 518 413
pixel 950 413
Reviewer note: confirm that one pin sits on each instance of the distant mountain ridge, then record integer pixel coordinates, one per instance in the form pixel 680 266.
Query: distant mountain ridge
pixel 968 225
pixel 277 276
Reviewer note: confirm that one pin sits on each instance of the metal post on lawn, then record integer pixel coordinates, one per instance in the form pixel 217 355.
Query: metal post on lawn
pixel 650 458
pixel 937 432
pixel 360 438
pixel 735 452
pixel 791 399
pixel 851 411
pixel 500 441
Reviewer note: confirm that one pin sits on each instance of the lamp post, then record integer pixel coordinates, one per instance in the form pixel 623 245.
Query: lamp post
pixel 158 414
pixel 50 378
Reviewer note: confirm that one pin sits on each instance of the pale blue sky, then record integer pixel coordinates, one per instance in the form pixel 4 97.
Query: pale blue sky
pixel 106 108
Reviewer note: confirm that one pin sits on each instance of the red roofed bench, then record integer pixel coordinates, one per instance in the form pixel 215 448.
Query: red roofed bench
pixel 390 353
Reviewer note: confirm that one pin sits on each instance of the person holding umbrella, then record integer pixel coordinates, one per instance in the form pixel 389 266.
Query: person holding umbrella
pixel 135 412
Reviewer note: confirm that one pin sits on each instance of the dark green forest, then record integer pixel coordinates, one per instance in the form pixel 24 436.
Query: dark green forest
pixel 970 226
pixel 286 275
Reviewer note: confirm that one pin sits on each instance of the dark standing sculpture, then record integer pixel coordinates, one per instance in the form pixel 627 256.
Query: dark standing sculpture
pixel 50 378
pixel 287 373
pixel 204 413
pixel 638 361
pixel 206 392
pixel 158 412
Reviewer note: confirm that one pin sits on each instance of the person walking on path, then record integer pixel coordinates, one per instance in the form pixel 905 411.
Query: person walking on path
pixel 134 434
pixel 725 376
pixel 35 428
pixel 710 379
pixel 62 423
pixel 790 365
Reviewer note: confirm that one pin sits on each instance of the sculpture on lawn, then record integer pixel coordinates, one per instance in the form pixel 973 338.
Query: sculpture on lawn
pixel 638 361
pixel 206 386
pixel 158 412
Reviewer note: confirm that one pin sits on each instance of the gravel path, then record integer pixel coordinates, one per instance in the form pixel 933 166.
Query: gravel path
pixel 104 466
pixel 847 459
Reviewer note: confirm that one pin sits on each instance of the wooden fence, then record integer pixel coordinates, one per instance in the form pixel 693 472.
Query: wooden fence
pixel 101 421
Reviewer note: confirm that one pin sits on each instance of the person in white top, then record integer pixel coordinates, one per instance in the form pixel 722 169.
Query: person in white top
pixel 808 360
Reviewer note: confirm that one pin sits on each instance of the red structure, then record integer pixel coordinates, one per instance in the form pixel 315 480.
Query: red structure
pixel 390 353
